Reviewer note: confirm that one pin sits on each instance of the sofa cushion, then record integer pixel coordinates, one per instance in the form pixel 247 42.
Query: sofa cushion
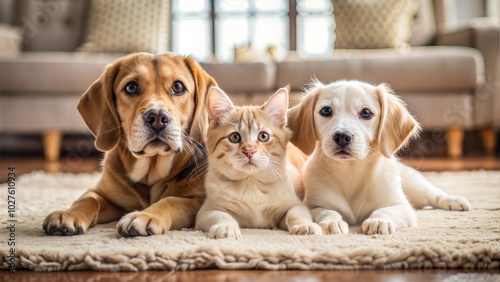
pixel 51 25
pixel 127 26
pixel 373 23
pixel 423 30
pixel 422 69
pixel 51 73
pixel 243 77
pixel 27 114
pixel 435 110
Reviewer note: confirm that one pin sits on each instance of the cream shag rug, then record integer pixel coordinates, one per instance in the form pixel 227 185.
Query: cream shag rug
pixel 443 239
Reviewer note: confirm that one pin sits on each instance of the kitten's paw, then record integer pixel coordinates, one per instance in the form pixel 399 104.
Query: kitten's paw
pixel 334 227
pixel 377 226
pixel 309 228
pixel 224 231
pixel 454 203
pixel 142 224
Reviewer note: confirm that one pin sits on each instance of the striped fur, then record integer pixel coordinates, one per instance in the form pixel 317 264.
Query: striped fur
pixel 247 182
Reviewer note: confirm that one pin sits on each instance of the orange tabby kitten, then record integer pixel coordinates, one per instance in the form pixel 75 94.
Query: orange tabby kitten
pixel 247 184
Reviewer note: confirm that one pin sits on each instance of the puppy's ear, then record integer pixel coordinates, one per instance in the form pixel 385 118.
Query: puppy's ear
pixel 218 105
pixel 301 122
pixel 277 106
pixel 396 125
pixel 97 108
pixel 202 81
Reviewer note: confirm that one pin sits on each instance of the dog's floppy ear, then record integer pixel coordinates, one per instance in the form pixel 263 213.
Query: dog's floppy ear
pixel 396 124
pixel 301 122
pixel 202 81
pixel 98 110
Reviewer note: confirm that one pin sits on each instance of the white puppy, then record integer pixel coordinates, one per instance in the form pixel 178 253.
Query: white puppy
pixel 352 177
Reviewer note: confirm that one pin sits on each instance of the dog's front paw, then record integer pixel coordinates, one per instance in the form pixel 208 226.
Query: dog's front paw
pixel 454 203
pixel 334 227
pixel 377 226
pixel 308 228
pixel 224 231
pixel 142 224
pixel 67 223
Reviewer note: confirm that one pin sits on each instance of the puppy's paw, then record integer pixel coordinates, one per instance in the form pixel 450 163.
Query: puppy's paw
pixel 377 226
pixel 67 223
pixel 307 228
pixel 142 224
pixel 224 231
pixel 454 203
pixel 334 227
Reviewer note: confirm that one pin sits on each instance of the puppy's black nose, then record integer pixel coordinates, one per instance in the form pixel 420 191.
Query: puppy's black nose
pixel 343 138
pixel 157 120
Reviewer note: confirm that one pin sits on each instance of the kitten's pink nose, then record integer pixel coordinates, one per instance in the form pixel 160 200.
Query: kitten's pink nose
pixel 249 153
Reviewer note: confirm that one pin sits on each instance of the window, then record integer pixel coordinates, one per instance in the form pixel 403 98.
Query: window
pixel 315 27
pixel 191 30
pixel 212 29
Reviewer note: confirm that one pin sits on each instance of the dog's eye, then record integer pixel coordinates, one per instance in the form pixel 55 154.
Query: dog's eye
pixel 366 114
pixel 131 88
pixel 234 137
pixel 326 112
pixel 177 88
pixel 263 136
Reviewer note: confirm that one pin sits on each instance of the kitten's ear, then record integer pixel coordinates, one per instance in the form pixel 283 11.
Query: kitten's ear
pixel 277 106
pixel 218 105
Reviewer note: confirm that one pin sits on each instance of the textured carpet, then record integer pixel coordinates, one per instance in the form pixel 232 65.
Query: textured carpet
pixel 443 239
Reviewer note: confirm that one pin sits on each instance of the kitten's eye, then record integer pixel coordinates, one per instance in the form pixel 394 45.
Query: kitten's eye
pixel 234 137
pixel 177 88
pixel 366 114
pixel 131 88
pixel 326 112
pixel 263 137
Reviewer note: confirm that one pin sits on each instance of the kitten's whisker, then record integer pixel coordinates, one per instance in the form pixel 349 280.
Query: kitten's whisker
pixel 224 167
pixel 278 169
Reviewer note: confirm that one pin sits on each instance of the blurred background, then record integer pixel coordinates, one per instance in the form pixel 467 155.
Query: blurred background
pixel 441 56
pixel 211 30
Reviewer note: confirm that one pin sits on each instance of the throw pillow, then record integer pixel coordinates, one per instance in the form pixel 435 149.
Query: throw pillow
pixel 126 26
pixel 371 24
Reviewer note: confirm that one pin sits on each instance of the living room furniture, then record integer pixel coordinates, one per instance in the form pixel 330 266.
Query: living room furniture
pixel 449 77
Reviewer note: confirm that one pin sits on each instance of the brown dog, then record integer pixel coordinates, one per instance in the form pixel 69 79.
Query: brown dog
pixel 148 114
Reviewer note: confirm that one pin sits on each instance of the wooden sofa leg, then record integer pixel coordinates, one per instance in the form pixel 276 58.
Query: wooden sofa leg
pixel 455 138
pixel 52 145
pixel 489 138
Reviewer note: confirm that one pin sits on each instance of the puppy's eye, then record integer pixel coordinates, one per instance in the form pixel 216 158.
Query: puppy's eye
pixel 234 137
pixel 131 88
pixel 366 114
pixel 177 88
pixel 263 137
pixel 326 112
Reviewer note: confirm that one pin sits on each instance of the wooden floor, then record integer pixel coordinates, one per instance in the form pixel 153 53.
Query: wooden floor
pixel 261 276
pixel 28 164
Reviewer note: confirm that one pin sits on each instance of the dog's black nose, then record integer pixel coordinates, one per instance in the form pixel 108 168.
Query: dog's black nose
pixel 157 120
pixel 343 138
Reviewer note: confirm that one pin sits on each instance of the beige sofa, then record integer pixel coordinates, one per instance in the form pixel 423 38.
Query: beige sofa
pixel 453 86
